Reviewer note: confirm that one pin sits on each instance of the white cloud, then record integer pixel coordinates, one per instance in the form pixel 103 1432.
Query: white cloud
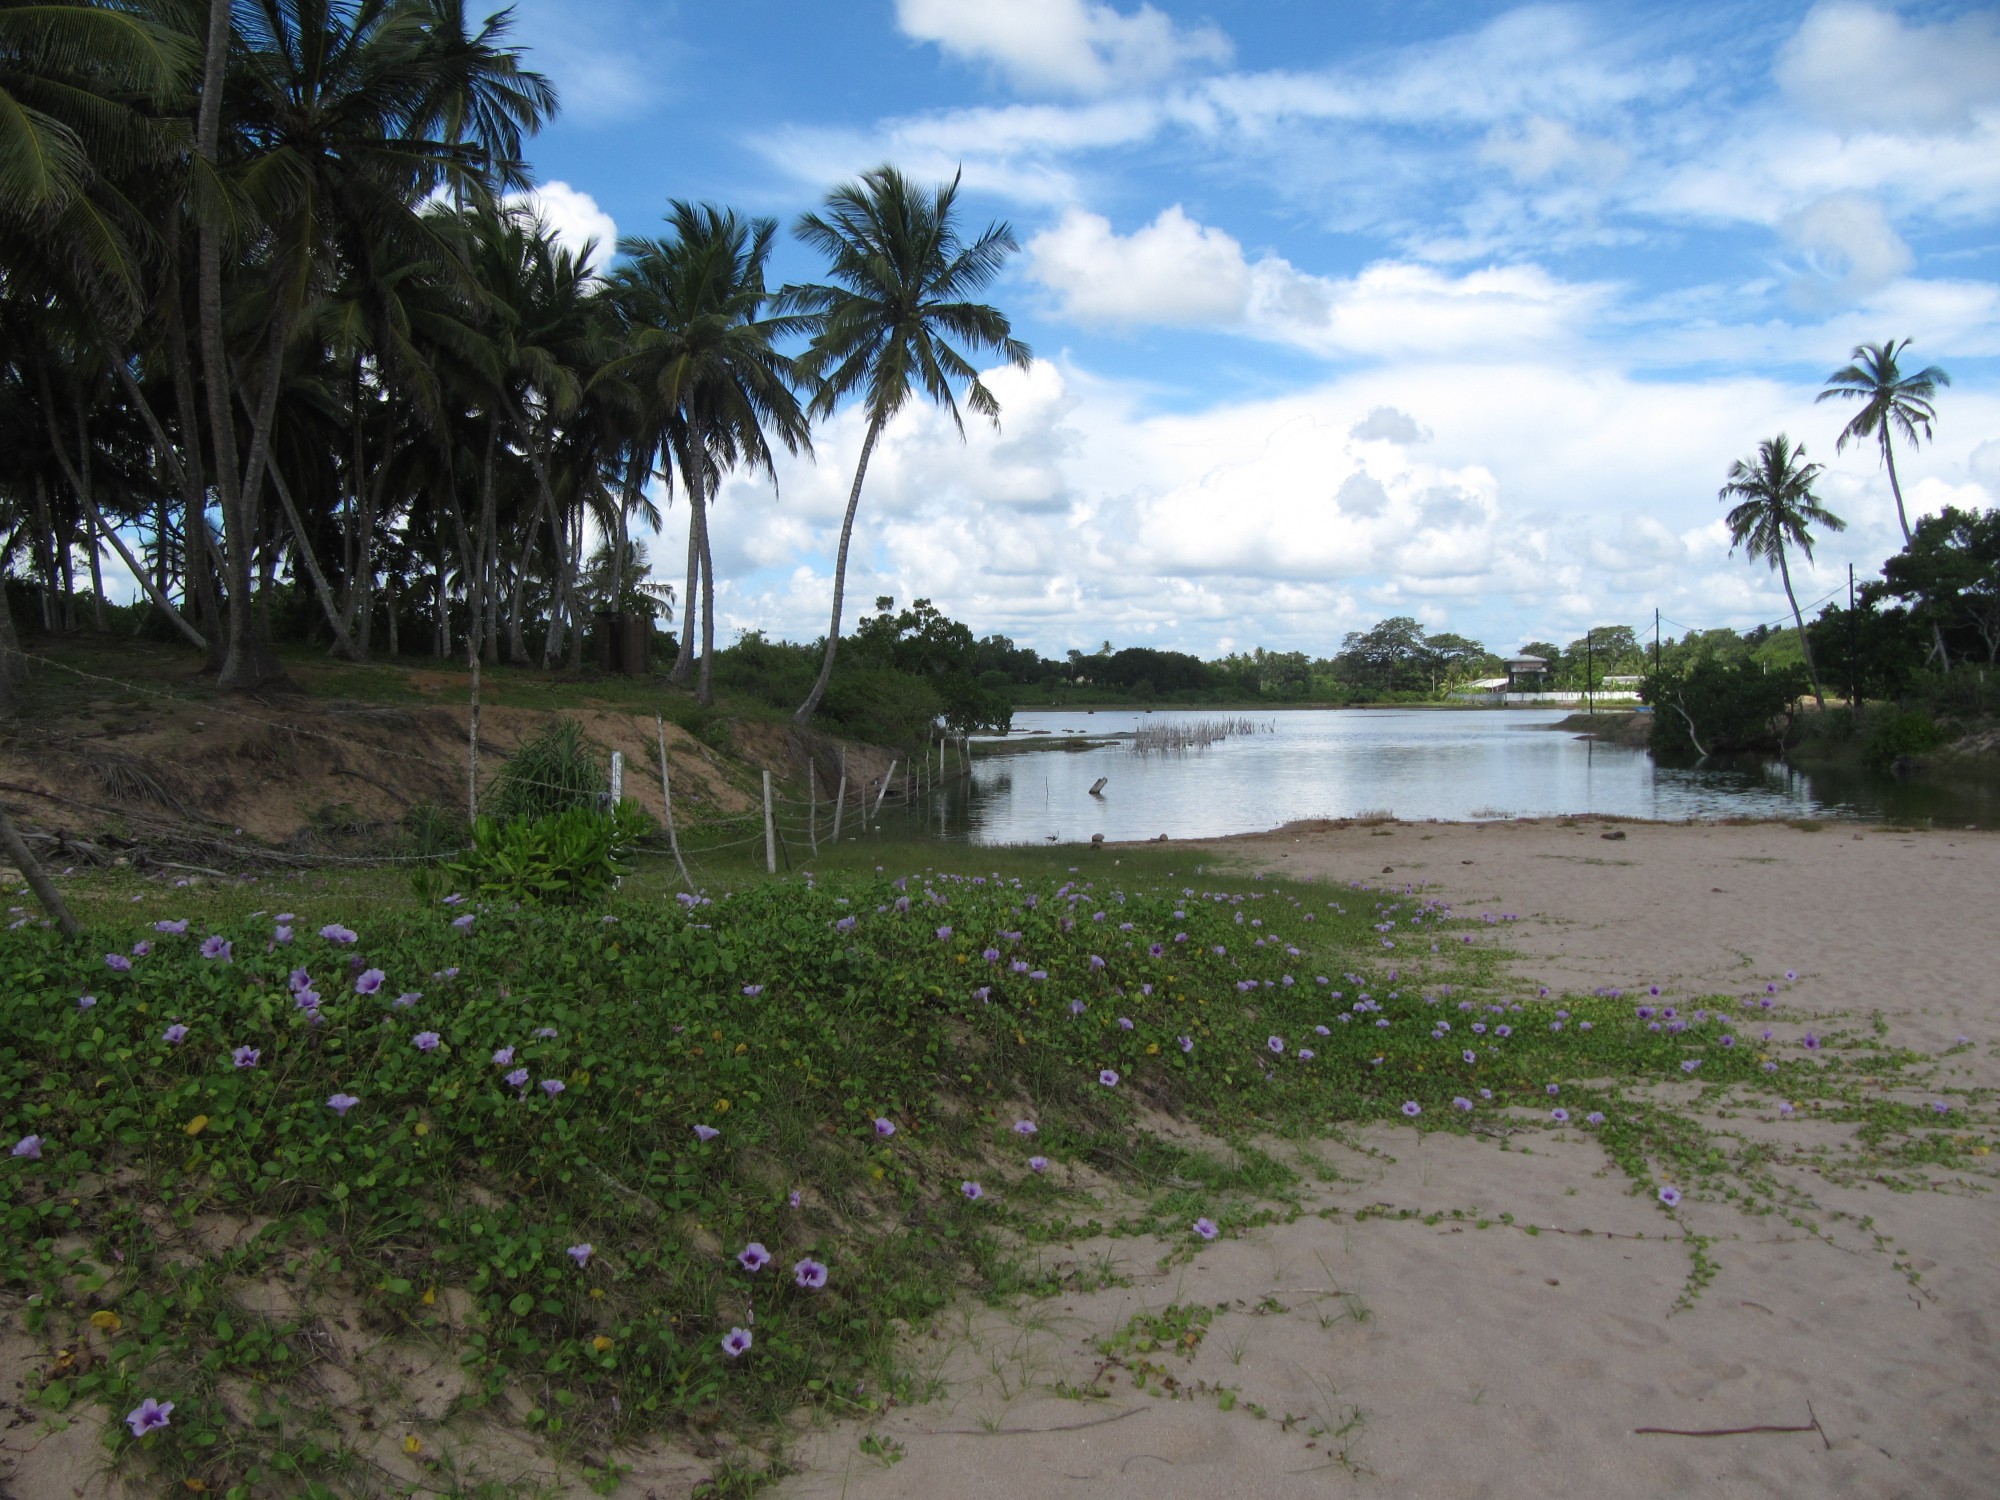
pixel 1540 148
pixel 1850 250
pixel 1076 46
pixel 1172 270
pixel 1387 425
pixel 1860 67
pixel 574 216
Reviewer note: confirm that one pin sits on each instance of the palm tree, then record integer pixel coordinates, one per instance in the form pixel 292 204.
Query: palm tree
pixel 703 357
pixel 1890 400
pixel 1778 504
pixel 901 273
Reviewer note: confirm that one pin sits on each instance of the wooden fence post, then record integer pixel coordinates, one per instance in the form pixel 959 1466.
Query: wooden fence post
pixel 667 801
pixel 770 832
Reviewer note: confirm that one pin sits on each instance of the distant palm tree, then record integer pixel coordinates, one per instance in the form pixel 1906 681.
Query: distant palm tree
pixel 1890 400
pixel 901 274
pixel 1775 489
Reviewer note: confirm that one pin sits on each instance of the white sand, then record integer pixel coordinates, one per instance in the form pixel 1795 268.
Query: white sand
pixel 1493 1363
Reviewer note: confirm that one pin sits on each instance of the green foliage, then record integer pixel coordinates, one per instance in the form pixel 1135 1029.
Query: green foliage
pixel 554 772
pixel 1714 705
pixel 1894 734
pixel 562 858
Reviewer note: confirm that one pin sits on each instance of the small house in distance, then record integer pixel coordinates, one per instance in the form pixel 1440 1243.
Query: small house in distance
pixel 1519 667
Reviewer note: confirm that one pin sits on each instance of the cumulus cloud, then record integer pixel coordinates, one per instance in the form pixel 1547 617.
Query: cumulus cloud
pixel 1540 148
pixel 1387 425
pixel 1361 494
pixel 574 216
pixel 1862 67
pixel 1172 271
pixel 1075 46
pixel 1850 250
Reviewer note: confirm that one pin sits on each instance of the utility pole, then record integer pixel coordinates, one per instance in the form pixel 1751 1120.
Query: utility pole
pixel 1589 673
pixel 1853 650
pixel 1656 641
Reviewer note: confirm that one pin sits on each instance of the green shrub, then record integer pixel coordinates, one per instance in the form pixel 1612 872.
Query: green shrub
pixel 1893 735
pixel 554 772
pixel 565 857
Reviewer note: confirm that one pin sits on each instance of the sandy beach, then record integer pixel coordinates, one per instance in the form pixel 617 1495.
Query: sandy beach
pixel 1418 1358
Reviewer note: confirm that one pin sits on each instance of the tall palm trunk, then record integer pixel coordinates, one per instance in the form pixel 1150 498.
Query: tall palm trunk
pixel 704 692
pixel 1805 642
pixel 806 709
pixel 684 662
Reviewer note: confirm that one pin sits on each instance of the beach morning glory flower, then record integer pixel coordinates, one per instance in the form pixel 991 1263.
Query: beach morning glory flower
pixel 884 1127
pixel 1555 1088
pixel 1503 1031
pixel 28 1147
pixel 117 963
pixel 809 1274
pixel 1187 1044
pixel 407 999
pixel 149 1416
pixel 141 948
pixel 1784 1106
pixel 175 1034
pixel 1038 1164
pixel 1412 1108
pixel 581 1253
pixel 546 1033
pixel 333 932
pixel 245 1057
pixel 340 1104
pixel 736 1342
pixel 1595 1117
pixel 944 934
pixel 1306 1054
pixel 1939 1107
pixel 464 923
pixel 972 1190
pixel 1671 1196
pixel 705 1133
pixel 1108 1078
pixel 172 929
pixel 503 1056
pixel 369 981
pixel 427 1041
pixel 1275 1043
pixel 1690 1064
pixel 1560 1116
pixel 217 947
pixel 1026 1127
pixel 85 1002
pixel 1469 1055
pixel 1486 1093
pixel 1791 975
pixel 1206 1228
pixel 793 1198
pixel 518 1078
pixel 753 1257
pixel 753 990
pixel 1811 1042
pixel 552 1086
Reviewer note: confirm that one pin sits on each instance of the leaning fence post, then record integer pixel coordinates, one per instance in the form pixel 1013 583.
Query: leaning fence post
pixel 885 791
pixel 38 879
pixel 770 833
pixel 667 802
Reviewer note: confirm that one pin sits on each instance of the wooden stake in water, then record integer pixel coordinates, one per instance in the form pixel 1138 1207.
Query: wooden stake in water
pixel 667 802
pixel 770 831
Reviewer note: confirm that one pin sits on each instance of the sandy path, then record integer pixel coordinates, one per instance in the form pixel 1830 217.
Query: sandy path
pixel 1471 1362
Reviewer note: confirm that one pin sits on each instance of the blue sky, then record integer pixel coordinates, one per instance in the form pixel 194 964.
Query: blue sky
pixel 1340 311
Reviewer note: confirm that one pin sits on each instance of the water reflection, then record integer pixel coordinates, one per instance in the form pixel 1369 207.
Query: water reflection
pixel 1414 764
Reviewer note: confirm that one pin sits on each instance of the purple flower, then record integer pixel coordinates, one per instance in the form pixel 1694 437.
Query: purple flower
pixel 1206 1228
pixel 85 1002
pixel 1811 1042
pixel 1461 1103
pixel 503 1056
pixel 1791 975
pixel 172 929
pixel 706 1133
pixel 1108 1078
pixel 1038 974
pixel 1726 1040
pixel 1671 1196
pixel 736 1342
pixel 753 1257
pixel 1124 1023
pixel 148 1416
pixel 884 1127
pixel 427 1041
pixel 340 1104
pixel 117 963
pixel 1096 962
pixel 944 934
pixel 407 999
pixel 809 1274
pixel 1275 1043
pixel 1187 1044
pixel 1688 1065
pixel 1560 1116
pixel 1939 1107
pixel 1026 1127
pixel 1306 1054
pixel 28 1147
pixel 333 932
pixel 1595 1117
pixel 1770 1067
pixel 282 933
pixel 552 1086
pixel 1412 1108
pixel 175 1034
pixel 793 1198
pixel 464 923
pixel 518 1078
pixel 991 955
pixel 141 948
pixel 245 1057
pixel 972 1190
pixel 1555 1088
pixel 546 1033
pixel 1503 1031
pixel 581 1254
pixel 753 990
pixel 1469 1055
pixel 369 982
pixel 1155 950
pixel 1784 1107
pixel 1486 1093
pixel 1038 1164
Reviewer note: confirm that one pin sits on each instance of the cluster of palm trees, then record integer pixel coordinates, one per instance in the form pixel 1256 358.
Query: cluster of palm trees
pixel 1775 505
pixel 276 328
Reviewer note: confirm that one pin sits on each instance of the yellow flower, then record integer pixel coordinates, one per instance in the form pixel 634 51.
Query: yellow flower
pixel 722 1106
pixel 430 1296
pixel 600 1343
pixel 197 1486
pixel 1152 1049
pixel 597 1291
pixel 106 1319
pixel 741 1048
pixel 876 1174
pixel 411 1444
pixel 422 1128
pixel 1021 1039
pixel 197 1125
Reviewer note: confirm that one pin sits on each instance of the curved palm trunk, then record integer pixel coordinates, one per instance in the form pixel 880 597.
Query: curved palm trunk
pixel 1895 485
pixel 807 708
pixel 683 670
pixel 1805 645
pixel 704 692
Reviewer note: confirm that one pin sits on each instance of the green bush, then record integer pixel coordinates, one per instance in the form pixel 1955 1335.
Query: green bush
pixel 1893 735
pixel 1715 706
pixel 565 857
pixel 554 772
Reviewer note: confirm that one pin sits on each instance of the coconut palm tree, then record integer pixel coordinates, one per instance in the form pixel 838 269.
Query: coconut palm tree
pixel 1776 506
pixel 1890 401
pixel 703 357
pixel 901 273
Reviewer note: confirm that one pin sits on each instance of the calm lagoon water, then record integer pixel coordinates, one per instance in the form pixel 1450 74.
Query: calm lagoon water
pixel 1416 764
